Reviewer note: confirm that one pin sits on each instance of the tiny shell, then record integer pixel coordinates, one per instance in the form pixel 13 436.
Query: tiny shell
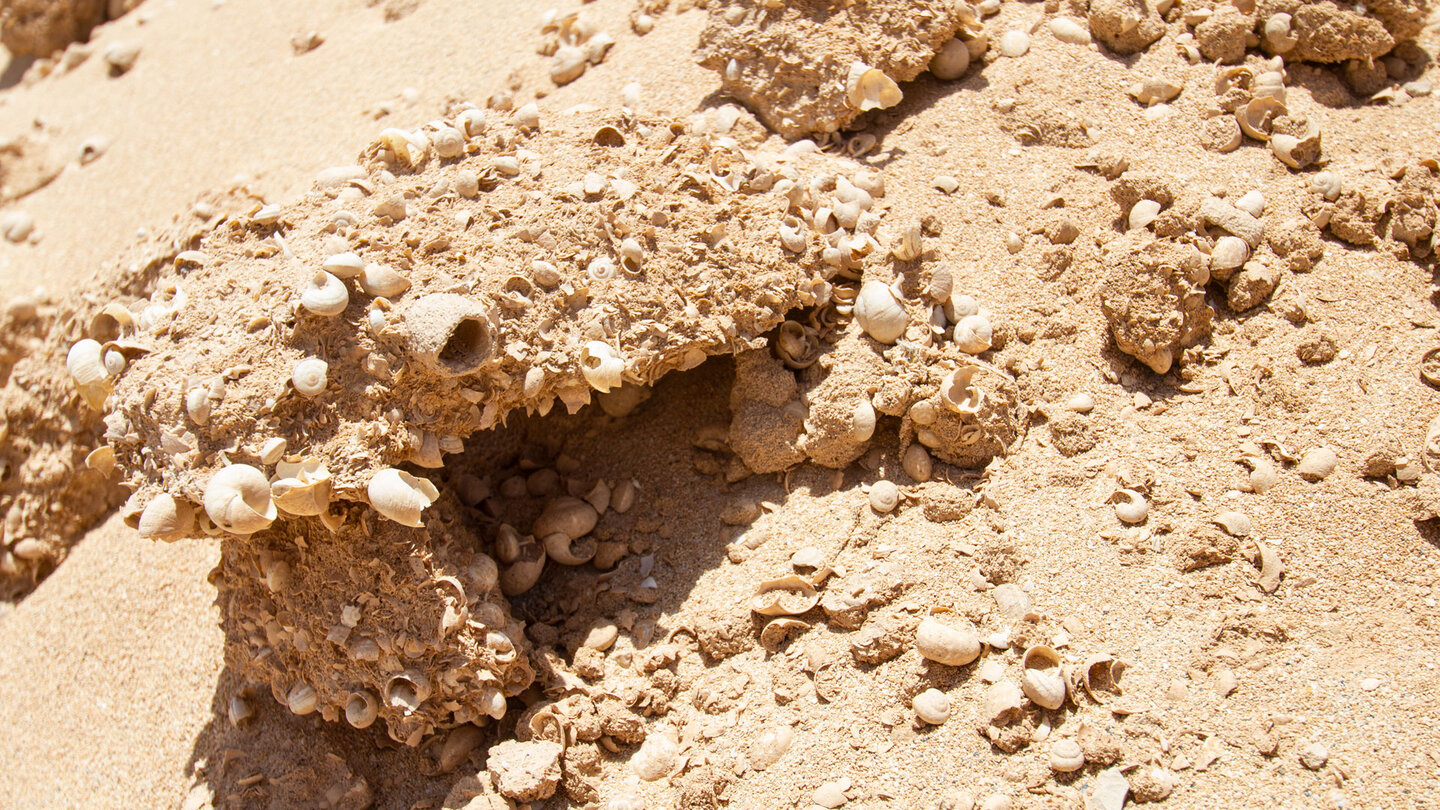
pixel 407 691
pixel 87 368
pixel 301 698
pixel 1252 203
pixel 944 644
pixel 361 709
pixel 1131 506
pixel 869 89
pixel 448 142
pixel 601 365
pixel 325 295
pixel 862 421
pixel 973 334
pixel 1066 756
pixel 1045 687
pixel 1014 43
pixel 917 463
pixel 568 64
pixel 273 450
pixel 932 707
pixel 1142 213
pixel 1235 524
pixel 1067 29
pixel 383 281
pixel 310 377
pixel 879 313
pixel 237 499
pixel 344 265
pixel 166 518
pixel 400 496
pixel 884 496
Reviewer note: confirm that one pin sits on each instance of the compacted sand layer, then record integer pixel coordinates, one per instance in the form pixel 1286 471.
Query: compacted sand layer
pixel 1216 470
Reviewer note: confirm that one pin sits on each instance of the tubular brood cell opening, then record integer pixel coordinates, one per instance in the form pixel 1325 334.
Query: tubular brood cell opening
pixel 448 333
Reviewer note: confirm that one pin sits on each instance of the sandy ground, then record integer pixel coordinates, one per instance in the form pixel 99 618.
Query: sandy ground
pixel 113 689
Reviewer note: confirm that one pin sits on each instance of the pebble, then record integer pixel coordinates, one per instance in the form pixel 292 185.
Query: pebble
pixel 1081 403
pixel 832 794
pixel 1314 756
pixel 1225 682
pixel 601 637
pixel 1014 43
pixel 1014 242
pixel 1067 29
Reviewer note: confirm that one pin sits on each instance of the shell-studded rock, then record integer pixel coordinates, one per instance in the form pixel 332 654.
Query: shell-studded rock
pixel 1154 299
pixel 377 629
pixel 816 65
pixel 970 412
pixel 461 340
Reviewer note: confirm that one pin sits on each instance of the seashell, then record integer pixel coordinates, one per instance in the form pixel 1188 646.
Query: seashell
pixel 959 394
pixel 237 500
pixel 917 463
pixel 1066 756
pixel 1044 681
pixel 1271 568
pixel 879 312
pixel 963 306
pixel 631 255
pixel 601 365
pixel 1278 35
pixel 239 710
pixel 448 142
pixel 407 691
pixel 910 245
pixel 657 756
pixel 568 64
pixel 86 365
pixel 447 333
pixel 777 631
pixel 101 459
pixel 527 117
pixel 1130 506
pixel 1142 213
pixel 884 497
pixel 932 707
pixel 325 295
pixel 596 46
pixel 1317 464
pixel 197 405
pixel 309 376
pixel 941 643
pixel 111 322
pixel 524 570
pixel 796 345
pixel 973 334
pixel 408 149
pixel 16 226
pixel 1235 524
pixel 1297 153
pixel 361 709
pixel 1080 403
pixel 792 235
pixel 383 281
pixel 623 497
pixel 1271 83
pixel 301 488
pixel 301 699
pixel 567 516
pixel 862 422
pixel 1100 673
pixel 400 496
pixel 867 88
pixel 770 746
pixel 1229 253
pixel 470 122
pixel 166 518
pixel 1256 116
pixel 1328 185
pixel 344 265
pixel 1002 705
pixel 789 595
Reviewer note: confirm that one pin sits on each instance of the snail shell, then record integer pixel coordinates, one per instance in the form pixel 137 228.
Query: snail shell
pixel 361 709
pixel 237 500
pixel 656 757
pixel 407 691
pixel 448 142
pixel 400 496
pixel 973 334
pixel 325 295
pixel 1131 506
pixel 867 88
pixel 344 265
pixel 310 376
pixel 1066 756
pixel 941 643
pixel 166 518
pixel 301 699
pixel 879 313
pixel 383 281
pixel 86 365
pixel 601 365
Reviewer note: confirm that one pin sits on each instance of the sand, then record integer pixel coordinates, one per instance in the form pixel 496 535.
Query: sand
pixel 114 685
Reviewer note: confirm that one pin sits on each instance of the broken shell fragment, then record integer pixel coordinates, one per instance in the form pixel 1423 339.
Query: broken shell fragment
pixel 400 496
pixel 789 595
pixel 867 88
pixel 1002 705
pixel 879 312
pixel 1044 681
pixel 166 518
pixel 944 644
pixel 325 295
pixel 1317 464
pixel 86 365
pixel 1297 152
pixel 407 691
pixel 1131 506
pixel 344 265
pixel 1257 116
pixel 1142 213
pixel 301 488
pixel 237 499
pixel 1235 524
pixel 657 756
pixel 601 365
